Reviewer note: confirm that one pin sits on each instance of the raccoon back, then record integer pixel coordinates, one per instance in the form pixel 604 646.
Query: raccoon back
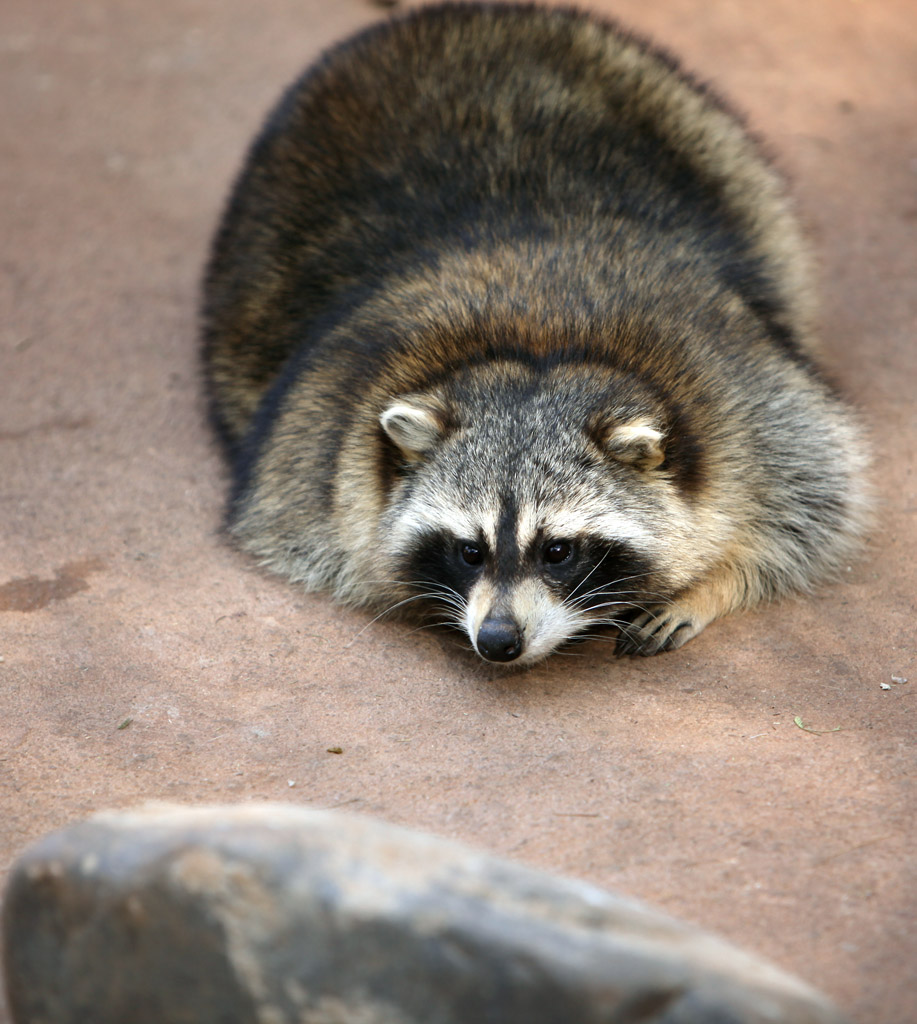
pixel 469 128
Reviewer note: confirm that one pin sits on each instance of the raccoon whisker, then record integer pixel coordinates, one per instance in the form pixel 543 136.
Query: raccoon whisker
pixel 617 585
pixel 464 647
pixel 604 637
pixel 591 571
pixel 591 638
pixel 633 576
pixel 612 604
pixel 417 583
pixel 611 620
pixel 433 591
pixel 631 597
pixel 614 599
pixel 619 622
pixel 578 598
pixel 433 625
pixel 454 613
pixel 602 588
pixel 382 614
pixel 427 583
pixel 450 624
pixel 457 607
pixel 602 624
pixel 644 595
pixel 452 636
pixel 439 591
pixel 582 601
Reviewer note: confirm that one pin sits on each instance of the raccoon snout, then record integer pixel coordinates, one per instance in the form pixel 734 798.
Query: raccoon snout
pixel 499 640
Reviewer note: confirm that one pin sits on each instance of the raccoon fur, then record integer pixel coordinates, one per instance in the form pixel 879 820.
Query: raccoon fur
pixel 508 320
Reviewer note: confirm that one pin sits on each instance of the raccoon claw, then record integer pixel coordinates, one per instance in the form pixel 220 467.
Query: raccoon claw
pixel 656 630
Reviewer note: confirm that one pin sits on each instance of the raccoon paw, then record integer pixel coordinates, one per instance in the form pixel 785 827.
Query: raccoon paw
pixel 656 629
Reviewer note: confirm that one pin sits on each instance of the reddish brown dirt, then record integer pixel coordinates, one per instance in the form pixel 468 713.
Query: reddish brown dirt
pixel 144 658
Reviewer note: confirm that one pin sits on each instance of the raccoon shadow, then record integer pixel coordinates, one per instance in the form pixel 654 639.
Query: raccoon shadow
pixel 579 656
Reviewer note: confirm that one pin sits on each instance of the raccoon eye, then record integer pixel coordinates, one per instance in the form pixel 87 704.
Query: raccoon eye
pixel 558 552
pixel 471 554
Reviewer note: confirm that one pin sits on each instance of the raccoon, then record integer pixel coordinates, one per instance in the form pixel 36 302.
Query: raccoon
pixel 508 321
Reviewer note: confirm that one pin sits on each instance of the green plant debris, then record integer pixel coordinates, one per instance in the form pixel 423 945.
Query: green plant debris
pixel 125 724
pixel 816 732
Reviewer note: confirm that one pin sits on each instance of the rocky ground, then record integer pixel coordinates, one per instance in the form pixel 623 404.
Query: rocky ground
pixel 760 782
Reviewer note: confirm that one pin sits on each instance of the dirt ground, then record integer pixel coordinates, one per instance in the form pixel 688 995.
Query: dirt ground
pixel 143 658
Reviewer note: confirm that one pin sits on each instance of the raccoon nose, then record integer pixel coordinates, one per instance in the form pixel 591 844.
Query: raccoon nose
pixel 499 640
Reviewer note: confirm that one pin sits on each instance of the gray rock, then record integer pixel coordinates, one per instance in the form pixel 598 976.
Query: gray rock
pixel 277 914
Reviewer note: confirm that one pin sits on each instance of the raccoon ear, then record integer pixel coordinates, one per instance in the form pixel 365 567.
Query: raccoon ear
pixel 637 444
pixel 416 429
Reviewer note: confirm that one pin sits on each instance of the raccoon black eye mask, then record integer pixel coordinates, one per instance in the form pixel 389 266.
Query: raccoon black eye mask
pixel 507 324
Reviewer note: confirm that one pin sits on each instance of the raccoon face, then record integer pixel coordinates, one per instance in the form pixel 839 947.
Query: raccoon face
pixel 514 519
pixel 519 603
